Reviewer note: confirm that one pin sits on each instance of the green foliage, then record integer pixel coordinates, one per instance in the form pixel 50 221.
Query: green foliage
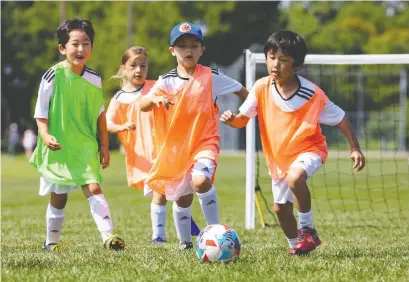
pixel 302 21
pixel 30 30
pixel 345 36
pixel 351 27
pixel 394 41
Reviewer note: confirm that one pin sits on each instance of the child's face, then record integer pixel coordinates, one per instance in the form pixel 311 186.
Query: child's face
pixel 136 69
pixel 279 65
pixel 77 50
pixel 187 50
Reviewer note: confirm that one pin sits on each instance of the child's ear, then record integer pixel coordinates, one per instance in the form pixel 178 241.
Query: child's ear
pixel 172 50
pixel 62 49
pixel 203 49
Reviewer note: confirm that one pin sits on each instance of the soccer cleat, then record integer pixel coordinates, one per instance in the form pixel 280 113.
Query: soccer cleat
pixel 185 245
pixel 51 247
pixel 307 241
pixel 114 243
pixel 158 240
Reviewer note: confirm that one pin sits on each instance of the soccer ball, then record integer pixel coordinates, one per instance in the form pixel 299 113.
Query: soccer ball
pixel 217 242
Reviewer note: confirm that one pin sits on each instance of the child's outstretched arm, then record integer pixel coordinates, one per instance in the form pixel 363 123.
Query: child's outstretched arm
pixel 49 140
pixel 111 125
pixel 233 120
pixel 115 128
pixel 356 154
pixel 150 100
pixel 243 93
pixel 104 157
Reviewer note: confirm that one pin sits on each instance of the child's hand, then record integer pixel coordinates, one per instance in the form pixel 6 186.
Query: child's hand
pixel 51 143
pixel 227 117
pixel 104 158
pixel 128 126
pixel 359 160
pixel 158 100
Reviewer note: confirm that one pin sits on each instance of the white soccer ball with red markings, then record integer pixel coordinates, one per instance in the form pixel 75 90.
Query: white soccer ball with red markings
pixel 217 242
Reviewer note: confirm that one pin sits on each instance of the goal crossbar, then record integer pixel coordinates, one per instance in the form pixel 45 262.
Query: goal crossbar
pixel 312 59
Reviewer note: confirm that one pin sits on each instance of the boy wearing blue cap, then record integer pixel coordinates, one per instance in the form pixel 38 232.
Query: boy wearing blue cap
pixel 186 129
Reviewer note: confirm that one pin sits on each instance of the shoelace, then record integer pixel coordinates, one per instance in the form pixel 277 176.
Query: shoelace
pixel 301 236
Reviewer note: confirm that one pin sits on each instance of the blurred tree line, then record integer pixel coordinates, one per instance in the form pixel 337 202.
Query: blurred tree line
pixel 29 45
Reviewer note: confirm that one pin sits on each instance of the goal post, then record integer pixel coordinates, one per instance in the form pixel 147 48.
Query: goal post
pixel 252 59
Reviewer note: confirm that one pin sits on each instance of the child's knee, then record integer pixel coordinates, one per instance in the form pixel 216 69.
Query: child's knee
pixel 185 201
pixel 201 184
pixel 158 199
pixel 58 201
pixel 283 210
pixel 296 177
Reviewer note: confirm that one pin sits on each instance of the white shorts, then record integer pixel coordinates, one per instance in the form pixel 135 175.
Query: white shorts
pixel 46 187
pixel 202 167
pixel 309 162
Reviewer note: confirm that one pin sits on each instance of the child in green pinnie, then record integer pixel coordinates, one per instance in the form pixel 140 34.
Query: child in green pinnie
pixel 69 114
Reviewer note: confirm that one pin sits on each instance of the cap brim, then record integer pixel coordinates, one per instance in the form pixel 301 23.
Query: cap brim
pixel 184 34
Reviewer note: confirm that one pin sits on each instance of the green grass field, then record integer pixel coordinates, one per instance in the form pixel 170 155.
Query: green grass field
pixel 362 219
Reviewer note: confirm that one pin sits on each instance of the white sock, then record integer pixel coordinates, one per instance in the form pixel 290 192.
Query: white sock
pixel 292 242
pixel 102 216
pixel 182 218
pixel 158 218
pixel 305 219
pixel 210 205
pixel 54 221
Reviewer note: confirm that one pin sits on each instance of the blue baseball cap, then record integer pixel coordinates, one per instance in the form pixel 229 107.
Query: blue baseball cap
pixel 185 28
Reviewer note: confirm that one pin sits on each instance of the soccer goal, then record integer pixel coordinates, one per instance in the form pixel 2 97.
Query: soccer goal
pixel 373 90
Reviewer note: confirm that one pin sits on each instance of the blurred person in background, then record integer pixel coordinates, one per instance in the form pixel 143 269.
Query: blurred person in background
pixel 29 141
pixel 13 138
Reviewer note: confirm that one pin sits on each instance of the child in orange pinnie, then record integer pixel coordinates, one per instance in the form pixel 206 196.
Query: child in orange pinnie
pixel 290 109
pixel 186 129
pixel 134 129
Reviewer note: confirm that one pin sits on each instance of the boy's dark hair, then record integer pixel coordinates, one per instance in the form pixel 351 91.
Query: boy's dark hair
pixel 290 44
pixel 63 31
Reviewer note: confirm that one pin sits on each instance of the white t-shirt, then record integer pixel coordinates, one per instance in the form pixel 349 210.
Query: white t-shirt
pixel 127 97
pixel 330 115
pixel 171 82
pixel 45 92
pixel 124 97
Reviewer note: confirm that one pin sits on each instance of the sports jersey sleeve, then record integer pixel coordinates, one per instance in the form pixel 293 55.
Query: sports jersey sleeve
pixel 331 114
pixel 99 84
pixel 159 84
pixel 222 84
pixel 250 106
pixel 45 93
pixel 111 114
